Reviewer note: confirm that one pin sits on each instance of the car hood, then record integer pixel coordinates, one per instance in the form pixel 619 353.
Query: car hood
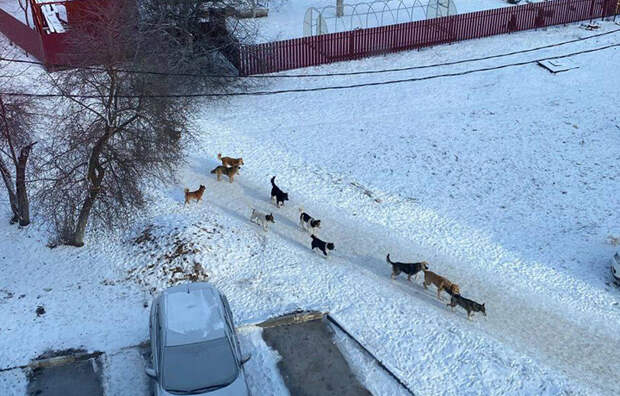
pixel 237 388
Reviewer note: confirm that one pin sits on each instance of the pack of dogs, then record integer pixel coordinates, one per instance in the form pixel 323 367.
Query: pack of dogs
pixel 230 167
pixel 440 282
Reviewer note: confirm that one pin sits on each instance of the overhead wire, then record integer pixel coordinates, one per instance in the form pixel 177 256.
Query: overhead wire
pixel 316 89
pixel 314 75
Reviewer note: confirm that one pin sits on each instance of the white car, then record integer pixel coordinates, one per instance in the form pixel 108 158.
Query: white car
pixel 615 268
pixel 194 345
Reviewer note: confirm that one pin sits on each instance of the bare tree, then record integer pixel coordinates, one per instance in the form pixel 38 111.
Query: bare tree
pixel 25 5
pixel 15 146
pixel 16 124
pixel 120 128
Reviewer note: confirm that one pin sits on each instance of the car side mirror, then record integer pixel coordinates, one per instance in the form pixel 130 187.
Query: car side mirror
pixel 245 359
pixel 150 371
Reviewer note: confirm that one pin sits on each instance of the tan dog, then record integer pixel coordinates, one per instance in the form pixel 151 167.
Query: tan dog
pixel 197 195
pixel 229 161
pixel 222 170
pixel 441 283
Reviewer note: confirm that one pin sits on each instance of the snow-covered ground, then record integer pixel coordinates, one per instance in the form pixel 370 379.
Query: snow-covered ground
pixel 506 182
pixel 286 17
pixel 12 8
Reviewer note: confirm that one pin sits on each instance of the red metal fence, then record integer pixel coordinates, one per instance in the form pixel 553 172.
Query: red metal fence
pixel 335 47
pixel 48 47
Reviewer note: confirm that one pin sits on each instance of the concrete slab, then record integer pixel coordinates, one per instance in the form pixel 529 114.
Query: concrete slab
pixel 311 364
pixel 78 378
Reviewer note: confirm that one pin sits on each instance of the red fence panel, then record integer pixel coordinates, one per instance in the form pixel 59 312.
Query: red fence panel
pixel 317 50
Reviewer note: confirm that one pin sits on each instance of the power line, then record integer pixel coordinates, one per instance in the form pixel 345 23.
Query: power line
pixel 95 68
pixel 337 87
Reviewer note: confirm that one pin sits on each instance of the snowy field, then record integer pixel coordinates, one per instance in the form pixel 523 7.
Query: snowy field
pixel 505 181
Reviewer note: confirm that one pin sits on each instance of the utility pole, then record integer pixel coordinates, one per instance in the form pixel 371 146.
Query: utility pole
pixel 340 8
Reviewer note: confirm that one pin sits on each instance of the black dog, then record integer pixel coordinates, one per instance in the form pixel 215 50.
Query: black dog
pixel 277 195
pixel 408 268
pixel 469 305
pixel 308 222
pixel 321 245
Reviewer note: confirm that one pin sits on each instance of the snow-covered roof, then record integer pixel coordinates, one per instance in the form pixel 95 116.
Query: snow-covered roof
pixel 193 313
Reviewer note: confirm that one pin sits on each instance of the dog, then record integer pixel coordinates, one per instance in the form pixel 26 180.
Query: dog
pixel 197 195
pixel 441 283
pixel 223 170
pixel 408 268
pixel 261 218
pixel 308 222
pixel 229 161
pixel 321 245
pixel 277 196
pixel 468 305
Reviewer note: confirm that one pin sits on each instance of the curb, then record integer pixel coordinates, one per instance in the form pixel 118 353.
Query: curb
pixel 56 361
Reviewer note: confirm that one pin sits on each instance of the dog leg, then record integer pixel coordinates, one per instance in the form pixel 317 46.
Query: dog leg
pixel 393 276
pixel 409 277
pixel 439 293
pixel 425 285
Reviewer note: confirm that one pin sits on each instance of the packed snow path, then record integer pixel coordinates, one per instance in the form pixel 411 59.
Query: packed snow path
pixel 406 325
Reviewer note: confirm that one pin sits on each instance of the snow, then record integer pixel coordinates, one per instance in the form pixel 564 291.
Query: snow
pixel 13 383
pixel 286 17
pixel 504 181
pixel 263 377
pixel 366 369
pixel 182 313
pixel 123 374
pixel 12 8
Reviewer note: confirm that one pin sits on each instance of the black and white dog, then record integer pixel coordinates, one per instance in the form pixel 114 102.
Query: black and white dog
pixel 321 245
pixel 277 196
pixel 261 218
pixel 307 222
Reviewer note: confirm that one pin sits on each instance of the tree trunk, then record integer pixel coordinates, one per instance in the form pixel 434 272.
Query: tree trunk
pixel 80 228
pixel 6 176
pixel 95 177
pixel 20 182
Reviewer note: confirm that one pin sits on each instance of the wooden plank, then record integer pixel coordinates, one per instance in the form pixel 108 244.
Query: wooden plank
pixel 52 20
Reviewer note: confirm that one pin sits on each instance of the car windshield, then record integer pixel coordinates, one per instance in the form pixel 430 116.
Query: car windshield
pixel 198 367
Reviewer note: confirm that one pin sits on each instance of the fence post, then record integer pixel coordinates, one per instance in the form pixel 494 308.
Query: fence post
pixel 351 43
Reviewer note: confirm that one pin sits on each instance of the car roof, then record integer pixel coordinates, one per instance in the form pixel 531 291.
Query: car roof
pixel 192 313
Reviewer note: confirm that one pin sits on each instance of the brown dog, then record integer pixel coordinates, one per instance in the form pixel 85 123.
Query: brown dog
pixel 229 161
pixel 222 170
pixel 441 283
pixel 197 195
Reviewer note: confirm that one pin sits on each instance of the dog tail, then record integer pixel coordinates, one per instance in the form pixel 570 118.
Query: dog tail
pixel 186 190
pixel 219 156
pixel 388 259
pixel 213 171
pixel 273 181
